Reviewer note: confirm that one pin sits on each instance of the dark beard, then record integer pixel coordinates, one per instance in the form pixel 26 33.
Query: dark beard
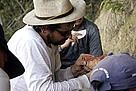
pixel 51 40
pixel 59 42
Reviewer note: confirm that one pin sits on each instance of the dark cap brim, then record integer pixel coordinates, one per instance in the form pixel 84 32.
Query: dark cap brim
pixel 13 66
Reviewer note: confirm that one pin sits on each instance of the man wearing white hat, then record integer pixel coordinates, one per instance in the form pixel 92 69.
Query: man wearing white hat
pixel 36 46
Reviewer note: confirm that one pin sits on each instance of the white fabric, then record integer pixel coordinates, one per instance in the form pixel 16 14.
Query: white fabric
pixel 83 32
pixel 4 81
pixel 42 65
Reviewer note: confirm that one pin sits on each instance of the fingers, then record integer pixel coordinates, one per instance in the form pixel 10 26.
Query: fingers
pixel 83 58
pixel 66 44
pixel 80 61
pixel 75 38
pixel 87 69
pixel 91 64
pixel 88 57
pixel 93 61
pixel 70 40
pixel 89 60
pixel 86 63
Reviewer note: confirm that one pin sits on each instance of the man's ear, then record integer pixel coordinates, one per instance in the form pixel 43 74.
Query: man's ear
pixel 43 29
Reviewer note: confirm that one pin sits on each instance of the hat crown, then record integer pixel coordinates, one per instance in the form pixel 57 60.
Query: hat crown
pixel 48 12
pixel 49 8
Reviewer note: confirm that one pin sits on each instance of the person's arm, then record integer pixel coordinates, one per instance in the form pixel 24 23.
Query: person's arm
pixel 38 71
pixel 80 67
pixel 4 81
pixel 70 40
pixel 66 44
pixel 94 41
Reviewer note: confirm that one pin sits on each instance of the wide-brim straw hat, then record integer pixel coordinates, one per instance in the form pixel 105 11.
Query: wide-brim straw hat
pixel 47 12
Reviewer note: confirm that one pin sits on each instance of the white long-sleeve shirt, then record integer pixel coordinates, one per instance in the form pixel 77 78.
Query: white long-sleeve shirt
pixel 42 65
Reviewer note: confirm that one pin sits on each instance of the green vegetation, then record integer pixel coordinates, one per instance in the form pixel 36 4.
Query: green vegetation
pixel 117 5
pixel 12 12
pixel 114 5
pixel 93 9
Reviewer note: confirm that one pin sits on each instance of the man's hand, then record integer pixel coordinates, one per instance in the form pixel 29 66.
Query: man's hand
pixel 85 63
pixel 75 38
pixel 67 43
pixel 92 62
pixel 79 67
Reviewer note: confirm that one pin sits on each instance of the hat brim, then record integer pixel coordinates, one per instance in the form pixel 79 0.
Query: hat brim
pixel 79 11
pixel 13 66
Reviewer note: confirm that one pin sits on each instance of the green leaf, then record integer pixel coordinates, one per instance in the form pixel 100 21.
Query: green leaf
pixel 102 3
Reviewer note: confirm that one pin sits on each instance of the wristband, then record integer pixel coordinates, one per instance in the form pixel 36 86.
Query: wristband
pixel 60 49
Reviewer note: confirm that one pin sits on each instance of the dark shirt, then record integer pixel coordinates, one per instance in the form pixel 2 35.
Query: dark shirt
pixel 89 44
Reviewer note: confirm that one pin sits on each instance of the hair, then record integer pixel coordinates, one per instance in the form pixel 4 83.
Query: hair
pixel 51 27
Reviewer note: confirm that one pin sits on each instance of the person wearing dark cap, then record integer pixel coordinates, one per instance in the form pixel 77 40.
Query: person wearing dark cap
pixel 116 72
pixel 10 66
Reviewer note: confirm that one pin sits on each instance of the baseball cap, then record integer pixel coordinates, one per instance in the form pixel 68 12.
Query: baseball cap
pixel 114 72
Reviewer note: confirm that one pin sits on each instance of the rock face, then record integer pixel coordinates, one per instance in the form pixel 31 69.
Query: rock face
pixel 117 31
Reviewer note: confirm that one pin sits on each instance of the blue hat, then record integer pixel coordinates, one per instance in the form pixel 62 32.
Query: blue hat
pixel 115 72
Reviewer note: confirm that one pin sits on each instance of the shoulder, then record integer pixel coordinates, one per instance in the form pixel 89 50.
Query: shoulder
pixel 26 31
pixel 89 23
pixel 90 26
pixel 25 34
pixel 3 74
pixel 4 81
